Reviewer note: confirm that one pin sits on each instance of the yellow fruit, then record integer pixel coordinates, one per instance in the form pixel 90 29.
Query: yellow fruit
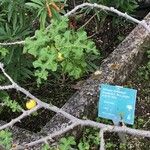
pixel 60 57
pixel 30 104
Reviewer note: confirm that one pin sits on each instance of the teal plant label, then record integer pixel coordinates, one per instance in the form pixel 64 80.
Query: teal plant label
pixel 117 103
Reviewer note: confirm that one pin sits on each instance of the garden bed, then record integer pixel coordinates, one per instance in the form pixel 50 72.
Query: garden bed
pixel 114 70
pixel 117 65
pixel 56 92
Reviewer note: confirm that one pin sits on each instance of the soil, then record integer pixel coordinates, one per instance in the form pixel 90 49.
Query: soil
pixel 55 93
pixel 142 112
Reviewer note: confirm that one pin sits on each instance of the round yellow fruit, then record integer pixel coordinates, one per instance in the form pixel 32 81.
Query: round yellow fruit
pixel 30 104
pixel 60 57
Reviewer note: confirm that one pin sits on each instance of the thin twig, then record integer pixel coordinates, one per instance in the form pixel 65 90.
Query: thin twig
pixel 87 21
pixel 12 43
pixel 146 122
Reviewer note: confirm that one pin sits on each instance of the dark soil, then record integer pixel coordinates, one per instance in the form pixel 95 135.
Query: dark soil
pixel 54 93
pixel 142 112
pixel 108 34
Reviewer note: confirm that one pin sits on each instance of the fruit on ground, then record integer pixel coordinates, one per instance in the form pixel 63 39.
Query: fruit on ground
pixel 30 104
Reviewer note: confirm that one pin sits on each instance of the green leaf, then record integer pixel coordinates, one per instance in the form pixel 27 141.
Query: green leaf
pixel 6 139
pixel 55 14
pixel 3 52
pixel 45 147
pixel 74 46
pixel 66 143
pixel 34 5
pixel 15 107
pixel 38 1
pixel 83 146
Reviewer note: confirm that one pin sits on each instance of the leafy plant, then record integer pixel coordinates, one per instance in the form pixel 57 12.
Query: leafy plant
pixel 66 143
pixel 89 140
pixel 60 49
pixel 110 145
pixel 19 65
pixel 15 20
pixel 140 122
pixel 144 71
pixel 128 6
pixel 46 147
pixel 15 107
pixel 3 52
pixel 6 139
pixel 122 146
pixel 5 99
pixel 11 9
pixel 15 26
pixel 83 145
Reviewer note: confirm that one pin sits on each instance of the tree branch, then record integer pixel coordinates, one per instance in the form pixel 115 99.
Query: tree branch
pixel 102 142
pixel 110 9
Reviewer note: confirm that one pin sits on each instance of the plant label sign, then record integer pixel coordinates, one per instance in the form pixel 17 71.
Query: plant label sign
pixel 117 103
